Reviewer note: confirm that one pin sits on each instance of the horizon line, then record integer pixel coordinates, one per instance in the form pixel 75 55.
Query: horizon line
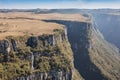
pixel 56 8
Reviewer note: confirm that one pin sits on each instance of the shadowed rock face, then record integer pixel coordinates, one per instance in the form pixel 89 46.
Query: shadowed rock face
pixel 32 42
pixel 14 45
pixel 94 57
pixel 109 25
pixel 51 40
pixel 78 35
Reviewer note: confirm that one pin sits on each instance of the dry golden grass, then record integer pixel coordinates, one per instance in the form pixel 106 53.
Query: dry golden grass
pixel 24 23
pixel 56 16
pixel 15 27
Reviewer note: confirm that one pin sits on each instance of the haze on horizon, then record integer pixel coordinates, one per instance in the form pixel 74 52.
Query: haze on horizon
pixel 59 4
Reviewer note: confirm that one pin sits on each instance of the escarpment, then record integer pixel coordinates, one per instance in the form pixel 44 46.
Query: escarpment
pixel 44 57
pixel 109 25
pixel 32 55
pixel 94 57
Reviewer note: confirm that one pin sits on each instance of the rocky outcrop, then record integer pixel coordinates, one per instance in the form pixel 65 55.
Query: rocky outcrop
pixel 33 49
pixel 48 40
pixel 14 45
pixel 32 42
pixel 52 75
pixel 4 47
pixel 32 61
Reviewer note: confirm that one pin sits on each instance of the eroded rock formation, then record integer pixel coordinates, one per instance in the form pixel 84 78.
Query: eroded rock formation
pixel 39 54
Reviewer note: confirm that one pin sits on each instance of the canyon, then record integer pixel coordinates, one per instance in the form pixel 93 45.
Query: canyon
pixel 73 48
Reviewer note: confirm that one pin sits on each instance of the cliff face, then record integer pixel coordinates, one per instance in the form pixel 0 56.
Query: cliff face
pixel 109 25
pixel 42 57
pixel 53 75
pixel 94 57
pixel 49 56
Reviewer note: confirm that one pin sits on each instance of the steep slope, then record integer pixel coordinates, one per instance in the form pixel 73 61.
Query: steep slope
pixel 109 25
pixel 94 57
pixel 49 56
pixel 41 57
pixel 32 49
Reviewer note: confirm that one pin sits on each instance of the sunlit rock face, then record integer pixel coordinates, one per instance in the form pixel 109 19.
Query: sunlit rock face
pixel 53 75
pixel 4 46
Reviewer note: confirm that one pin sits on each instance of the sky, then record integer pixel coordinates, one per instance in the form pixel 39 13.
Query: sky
pixel 58 4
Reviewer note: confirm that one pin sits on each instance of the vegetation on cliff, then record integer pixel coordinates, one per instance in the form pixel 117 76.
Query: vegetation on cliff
pixel 49 55
pixel 94 57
